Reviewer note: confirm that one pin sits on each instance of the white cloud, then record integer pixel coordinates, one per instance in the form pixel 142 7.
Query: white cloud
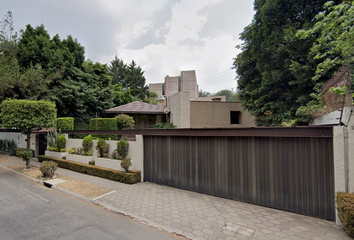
pixel 163 36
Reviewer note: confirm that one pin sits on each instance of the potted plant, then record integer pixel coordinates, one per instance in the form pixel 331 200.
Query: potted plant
pixel 84 154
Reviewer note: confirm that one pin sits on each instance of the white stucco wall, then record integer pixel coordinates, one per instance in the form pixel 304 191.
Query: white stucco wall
pixel 340 162
pixel 136 151
pixel 350 128
pixel 33 141
pixel 16 136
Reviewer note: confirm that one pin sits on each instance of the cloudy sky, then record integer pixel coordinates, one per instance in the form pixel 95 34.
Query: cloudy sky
pixel 164 37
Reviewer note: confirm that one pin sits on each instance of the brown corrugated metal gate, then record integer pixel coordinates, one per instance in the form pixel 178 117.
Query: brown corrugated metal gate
pixel 285 168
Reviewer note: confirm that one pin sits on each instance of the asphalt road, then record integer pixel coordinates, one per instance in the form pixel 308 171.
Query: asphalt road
pixel 31 211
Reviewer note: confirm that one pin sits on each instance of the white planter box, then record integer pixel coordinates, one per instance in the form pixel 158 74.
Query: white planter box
pixel 109 163
pixel 55 154
pixel 79 158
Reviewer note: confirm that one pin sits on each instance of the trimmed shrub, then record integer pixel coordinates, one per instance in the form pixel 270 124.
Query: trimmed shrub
pixel 126 164
pixel 123 148
pixel 92 162
pixel 125 122
pixel 48 168
pixel 61 142
pixel 87 144
pixel 65 123
pixel 103 124
pixel 102 148
pixel 129 178
pixel 25 155
pixel 345 207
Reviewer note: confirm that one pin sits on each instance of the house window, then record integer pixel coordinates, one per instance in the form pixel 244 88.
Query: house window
pixel 235 117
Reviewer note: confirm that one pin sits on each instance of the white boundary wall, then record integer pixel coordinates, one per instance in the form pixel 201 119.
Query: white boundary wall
pixel 343 151
pixel 136 151
pixel 17 136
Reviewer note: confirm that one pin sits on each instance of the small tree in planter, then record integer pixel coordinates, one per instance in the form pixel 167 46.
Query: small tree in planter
pixel 102 147
pixel 87 145
pixel 126 163
pixel 122 148
pixel 27 115
pixel 61 143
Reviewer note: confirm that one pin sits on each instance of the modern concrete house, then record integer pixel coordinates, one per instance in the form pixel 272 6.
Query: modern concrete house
pixel 185 113
pixel 188 110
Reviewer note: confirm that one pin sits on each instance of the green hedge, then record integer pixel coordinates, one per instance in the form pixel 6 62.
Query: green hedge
pixel 129 178
pixel 104 124
pixel 65 123
pixel 345 206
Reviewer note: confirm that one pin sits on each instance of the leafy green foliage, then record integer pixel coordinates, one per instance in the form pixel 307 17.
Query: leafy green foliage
pixel 61 142
pixel 126 163
pixel 65 123
pixel 48 169
pixel 334 46
pixel 164 125
pixel 345 207
pixel 274 69
pixel 27 115
pixel 87 144
pixel 6 144
pixel 230 96
pixel 103 148
pixel 51 138
pixel 130 76
pixel 152 98
pixel 123 148
pixel 103 124
pixel 121 97
pixel 125 121
pixel 26 156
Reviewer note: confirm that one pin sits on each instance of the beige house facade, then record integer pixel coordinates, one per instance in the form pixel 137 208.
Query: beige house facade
pixel 185 113
pixel 188 110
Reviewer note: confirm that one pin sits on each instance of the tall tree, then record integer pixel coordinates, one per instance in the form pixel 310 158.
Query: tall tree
pixel 121 97
pixel 334 46
pixel 79 88
pixel 274 69
pixel 117 69
pixel 131 76
pixel 26 116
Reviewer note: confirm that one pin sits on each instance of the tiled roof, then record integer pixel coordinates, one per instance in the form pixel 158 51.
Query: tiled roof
pixel 137 107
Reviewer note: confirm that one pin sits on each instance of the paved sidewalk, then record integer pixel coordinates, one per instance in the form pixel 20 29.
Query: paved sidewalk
pixel 200 216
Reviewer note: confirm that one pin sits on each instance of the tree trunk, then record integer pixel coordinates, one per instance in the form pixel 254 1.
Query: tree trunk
pixel 28 164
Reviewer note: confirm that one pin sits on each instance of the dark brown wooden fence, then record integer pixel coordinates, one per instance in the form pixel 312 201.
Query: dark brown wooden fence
pixel 284 168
